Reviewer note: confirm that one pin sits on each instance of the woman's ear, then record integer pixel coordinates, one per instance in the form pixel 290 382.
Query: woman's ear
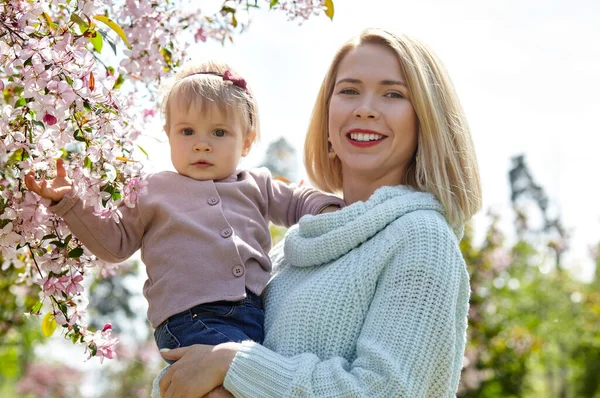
pixel 248 141
pixel 166 129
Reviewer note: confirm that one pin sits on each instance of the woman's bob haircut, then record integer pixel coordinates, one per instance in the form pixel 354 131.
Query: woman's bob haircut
pixel 445 163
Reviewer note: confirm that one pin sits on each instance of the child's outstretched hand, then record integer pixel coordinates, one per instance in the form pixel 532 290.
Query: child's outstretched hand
pixel 51 189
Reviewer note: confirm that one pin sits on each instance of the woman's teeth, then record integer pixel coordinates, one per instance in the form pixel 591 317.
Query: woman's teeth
pixel 365 137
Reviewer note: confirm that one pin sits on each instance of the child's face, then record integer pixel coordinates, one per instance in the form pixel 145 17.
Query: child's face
pixel 206 145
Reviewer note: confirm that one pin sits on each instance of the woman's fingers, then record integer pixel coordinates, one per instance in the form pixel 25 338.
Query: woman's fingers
pixel 219 392
pixel 175 354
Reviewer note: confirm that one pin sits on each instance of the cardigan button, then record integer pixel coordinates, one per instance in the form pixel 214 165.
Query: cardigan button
pixel 213 200
pixel 226 232
pixel 238 270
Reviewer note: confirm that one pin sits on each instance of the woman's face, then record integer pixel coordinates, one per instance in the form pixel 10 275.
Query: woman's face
pixel 372 123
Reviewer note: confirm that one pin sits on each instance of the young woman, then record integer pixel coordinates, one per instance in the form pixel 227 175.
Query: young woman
pixel 372 300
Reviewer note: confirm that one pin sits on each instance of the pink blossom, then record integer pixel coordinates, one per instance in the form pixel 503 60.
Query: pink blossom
pixel 49 119
pixel 8 237
pixel 149 113
pixel 200 35
pixel 74 287
pixel 52 285
pixel 102 342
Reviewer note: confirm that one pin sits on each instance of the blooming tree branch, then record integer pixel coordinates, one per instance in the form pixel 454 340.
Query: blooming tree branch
pixel 62 98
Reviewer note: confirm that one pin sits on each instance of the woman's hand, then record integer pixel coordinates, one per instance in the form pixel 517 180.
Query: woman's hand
pixel 199 370
pixel 54 189
pixel 219 392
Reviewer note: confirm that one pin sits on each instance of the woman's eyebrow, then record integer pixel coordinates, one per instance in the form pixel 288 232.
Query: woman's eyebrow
pixel 348 80
pixel 383 82
pixel 393 83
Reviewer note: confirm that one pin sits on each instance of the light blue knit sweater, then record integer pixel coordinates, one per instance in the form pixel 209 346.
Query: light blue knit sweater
pixel 369 301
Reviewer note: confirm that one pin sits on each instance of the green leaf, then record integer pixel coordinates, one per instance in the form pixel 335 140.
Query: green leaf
pixel 57 243
pixel 114 26
pixel 78 135
pixel 68 239
pixel 20 102
pixel 96 41
pixel 17 156
pixel 110 42
pixel 77 252
pixel 39 124
pixel 234 21
pixel 119 82
pixel 329 9
pixel 83 26
pixel 50 236
pixel 142 149
pixel 37 307
pixel 273 3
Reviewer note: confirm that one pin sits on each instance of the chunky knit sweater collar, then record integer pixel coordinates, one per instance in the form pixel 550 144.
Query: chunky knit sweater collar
pixel 317 240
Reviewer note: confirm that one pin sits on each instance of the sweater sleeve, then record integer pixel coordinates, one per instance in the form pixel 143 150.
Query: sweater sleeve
pixel 287 203
pixel 408 344
pixel 109 240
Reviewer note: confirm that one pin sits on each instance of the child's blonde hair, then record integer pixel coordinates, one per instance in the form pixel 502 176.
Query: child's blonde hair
pixel 445 163
pixel 201 86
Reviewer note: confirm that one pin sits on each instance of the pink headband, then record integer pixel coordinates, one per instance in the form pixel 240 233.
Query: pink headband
pixel 228 76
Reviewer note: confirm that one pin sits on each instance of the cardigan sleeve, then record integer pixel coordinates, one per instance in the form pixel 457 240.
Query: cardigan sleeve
pixel 287 203
pixel 410 344
pixel 108 239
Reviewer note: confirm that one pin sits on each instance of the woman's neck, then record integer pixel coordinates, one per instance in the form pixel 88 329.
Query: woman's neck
pixel 361 188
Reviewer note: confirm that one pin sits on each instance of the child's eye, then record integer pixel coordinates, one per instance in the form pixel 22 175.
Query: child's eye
pixel 394 94
pixel 349 91
pixel 187 132
pixel 220 133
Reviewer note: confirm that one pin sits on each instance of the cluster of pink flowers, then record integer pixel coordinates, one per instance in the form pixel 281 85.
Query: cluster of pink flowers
pixel 61 99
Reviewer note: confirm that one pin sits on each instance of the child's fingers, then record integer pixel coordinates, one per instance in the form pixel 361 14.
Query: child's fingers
pixel 44 188
pixel 60 168
pixel 32 184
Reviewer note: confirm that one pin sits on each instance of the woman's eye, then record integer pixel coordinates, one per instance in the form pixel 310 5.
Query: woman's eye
pixel 187 132
pixel 349 91
pixel 394 94
pixel 220 133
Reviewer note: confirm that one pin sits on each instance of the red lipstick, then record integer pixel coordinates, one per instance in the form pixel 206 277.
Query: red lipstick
pixel 364 144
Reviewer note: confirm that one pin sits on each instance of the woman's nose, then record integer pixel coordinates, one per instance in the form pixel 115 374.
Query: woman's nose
pixel 366 110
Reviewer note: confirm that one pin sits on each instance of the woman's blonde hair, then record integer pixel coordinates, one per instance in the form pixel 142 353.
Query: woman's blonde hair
pixel 445 163
pixel 201 85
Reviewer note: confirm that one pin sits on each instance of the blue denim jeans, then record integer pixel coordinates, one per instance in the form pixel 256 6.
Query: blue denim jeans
pixel 214 323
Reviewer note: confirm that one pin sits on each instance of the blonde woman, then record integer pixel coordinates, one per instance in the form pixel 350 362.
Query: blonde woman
pixel 372 300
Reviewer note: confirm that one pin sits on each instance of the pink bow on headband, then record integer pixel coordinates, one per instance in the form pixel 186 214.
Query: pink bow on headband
pixel 238 81
pixel 228 76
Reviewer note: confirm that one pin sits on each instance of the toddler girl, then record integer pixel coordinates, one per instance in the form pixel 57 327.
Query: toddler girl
pixel 203 231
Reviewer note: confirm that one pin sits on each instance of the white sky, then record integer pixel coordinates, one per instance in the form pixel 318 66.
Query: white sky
pixel 527 73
